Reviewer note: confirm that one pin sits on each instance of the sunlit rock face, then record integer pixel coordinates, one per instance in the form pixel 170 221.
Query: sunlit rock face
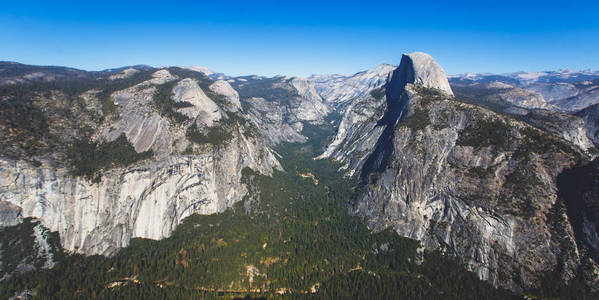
pixel 361 125
pixel 149 198
pixel 480 184
pixel 225 89
pixel 433 170
pixel 421 69
pixel 340 90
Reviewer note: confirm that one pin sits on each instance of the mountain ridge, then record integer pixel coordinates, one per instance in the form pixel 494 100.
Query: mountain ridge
pixel 132 154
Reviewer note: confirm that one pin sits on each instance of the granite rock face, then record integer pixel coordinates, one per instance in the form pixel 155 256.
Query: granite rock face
pixel 126 73
pixel 365 118
pixel 223 88
pixel 312 107
pixel 10 214
pixel 456 176
pixel 203 109
pixel 422 70
pixel 488 202
pixel 339 90
pixel 34 245
pixel 578 96
pixel 357 133
pixel 149 198
pixel 479 180
pixel 590 115
pixel 281 106
pixel 571 128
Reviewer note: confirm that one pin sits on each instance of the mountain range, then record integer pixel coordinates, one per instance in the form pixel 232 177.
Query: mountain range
pixel 394 182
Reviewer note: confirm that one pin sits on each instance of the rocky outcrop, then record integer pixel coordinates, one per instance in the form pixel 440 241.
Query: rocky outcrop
pixel 10 214
pixel 202 108
pixel 312 107
pixel 563 90
pixel 140 122
pixel 421 69
pixel 366 118
pixel 126 73
pixel 520 97
pixel 273 121
pixel 530 107
pixel 231 96
pixel 357 133
pixel 509 93
pixel 281 105
pixel 569 127
pixel 587 96
pixel 149 198
pixel 590 116
pixel 25 247
pixel 489 200
pixel 340 90
pixel 456 176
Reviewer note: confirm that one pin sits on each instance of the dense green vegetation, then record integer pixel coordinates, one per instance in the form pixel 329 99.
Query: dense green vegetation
pixel 291 237
pixel 486 132
pixel 32 115
pixel 166 106
pixel 264 87
pixel 18 247
pixel 23 124
pixel 213 135
pixel 296 239
pixel 418 120
pixel 89 158
pixel 378 93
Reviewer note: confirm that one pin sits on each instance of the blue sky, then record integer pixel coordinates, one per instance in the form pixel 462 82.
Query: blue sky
pixel 302 37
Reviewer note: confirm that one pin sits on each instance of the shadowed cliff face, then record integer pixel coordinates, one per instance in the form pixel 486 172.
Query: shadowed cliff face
pixel 459 177
pixel 579 188
pixel 579 191
pixel 426 73
pixel 397 106
pixel 481 186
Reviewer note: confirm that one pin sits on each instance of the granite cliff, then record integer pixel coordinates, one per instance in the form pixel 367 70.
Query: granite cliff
pixel 479 184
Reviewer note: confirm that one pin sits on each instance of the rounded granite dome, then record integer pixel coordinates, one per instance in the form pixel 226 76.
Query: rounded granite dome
pixel 426 71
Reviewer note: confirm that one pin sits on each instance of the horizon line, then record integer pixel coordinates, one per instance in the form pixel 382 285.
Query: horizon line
pixel 287 75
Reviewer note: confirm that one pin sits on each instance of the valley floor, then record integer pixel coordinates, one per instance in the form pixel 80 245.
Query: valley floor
pixel 292 237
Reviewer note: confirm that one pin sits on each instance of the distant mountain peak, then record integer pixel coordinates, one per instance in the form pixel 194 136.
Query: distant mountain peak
pixel 202 69
pixel 566 70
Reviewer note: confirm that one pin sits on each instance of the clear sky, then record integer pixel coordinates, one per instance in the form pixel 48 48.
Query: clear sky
pixel 302 37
